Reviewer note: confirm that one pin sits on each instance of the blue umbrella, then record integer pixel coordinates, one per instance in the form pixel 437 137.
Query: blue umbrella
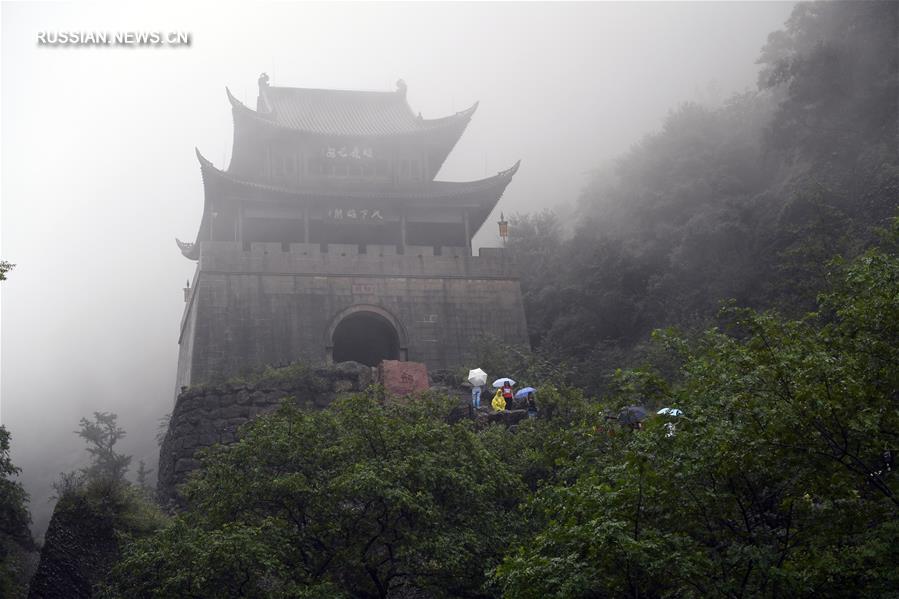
pixel 524 392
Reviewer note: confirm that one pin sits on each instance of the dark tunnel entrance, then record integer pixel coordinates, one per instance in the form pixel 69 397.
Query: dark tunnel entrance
pixel 365 337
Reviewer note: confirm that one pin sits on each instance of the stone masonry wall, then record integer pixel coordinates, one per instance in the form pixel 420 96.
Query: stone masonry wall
pixel 268 306
pixel 206 415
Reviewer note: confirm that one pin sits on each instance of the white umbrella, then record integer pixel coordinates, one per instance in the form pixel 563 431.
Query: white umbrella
pixel 670 412
pixel 502 381
pixel 477 377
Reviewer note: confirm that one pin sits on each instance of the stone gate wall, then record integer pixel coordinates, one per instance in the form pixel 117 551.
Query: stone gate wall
pixel 265 305
pixel 210 414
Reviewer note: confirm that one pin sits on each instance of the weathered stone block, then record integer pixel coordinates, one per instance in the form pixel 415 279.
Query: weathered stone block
pixel 186 465
pixel 205 416
pixel 342 386
pixel 207 439
pixel 234 411
pixel 261 399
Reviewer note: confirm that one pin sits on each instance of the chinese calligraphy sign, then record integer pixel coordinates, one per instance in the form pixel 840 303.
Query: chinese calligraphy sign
pixel 356 214
pixel 354 152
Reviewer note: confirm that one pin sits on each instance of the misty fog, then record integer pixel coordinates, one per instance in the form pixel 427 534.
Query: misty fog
pixel 99 174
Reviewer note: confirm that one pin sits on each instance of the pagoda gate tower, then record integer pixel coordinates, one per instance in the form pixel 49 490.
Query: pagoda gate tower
pixel 327 239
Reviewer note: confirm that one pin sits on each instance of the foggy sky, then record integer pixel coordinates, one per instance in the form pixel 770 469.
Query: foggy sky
pixel 99 176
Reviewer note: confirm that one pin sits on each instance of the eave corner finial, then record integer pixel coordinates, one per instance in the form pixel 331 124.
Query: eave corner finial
pixel 186 248
pixel 263 81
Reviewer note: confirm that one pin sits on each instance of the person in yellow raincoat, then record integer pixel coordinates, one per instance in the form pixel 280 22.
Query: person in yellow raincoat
pixel 498 403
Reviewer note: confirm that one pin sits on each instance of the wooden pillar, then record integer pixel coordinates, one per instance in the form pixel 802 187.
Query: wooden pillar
pixel 403 228
pixel 306 223
pixel 467 230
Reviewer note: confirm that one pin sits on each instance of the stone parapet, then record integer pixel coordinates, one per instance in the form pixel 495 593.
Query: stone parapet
pixel 212 414
pixel 346 259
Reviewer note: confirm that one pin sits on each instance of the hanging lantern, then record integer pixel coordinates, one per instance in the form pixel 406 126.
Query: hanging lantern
pixel 503 227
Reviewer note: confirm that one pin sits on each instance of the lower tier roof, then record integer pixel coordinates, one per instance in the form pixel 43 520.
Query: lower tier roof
pixel 479 197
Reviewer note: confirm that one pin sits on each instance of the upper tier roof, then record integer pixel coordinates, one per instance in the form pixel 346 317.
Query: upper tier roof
pixel 346 113
pixel 433 190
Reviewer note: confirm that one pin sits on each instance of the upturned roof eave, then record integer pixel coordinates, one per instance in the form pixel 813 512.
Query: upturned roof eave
pixel 192 250
pixel 438 129
pixel 484 193
pixel 432 189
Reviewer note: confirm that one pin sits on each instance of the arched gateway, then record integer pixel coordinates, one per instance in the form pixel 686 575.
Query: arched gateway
pixel 366 334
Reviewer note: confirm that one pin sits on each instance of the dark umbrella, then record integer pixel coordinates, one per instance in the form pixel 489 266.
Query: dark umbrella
pixel 632 415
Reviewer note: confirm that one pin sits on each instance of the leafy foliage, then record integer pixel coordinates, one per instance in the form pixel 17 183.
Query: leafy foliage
pixel 97 512
pixel 297 374
pixel 746 201
pixel 101 435
pixel 779 480
pixel 361 499
pixel 5 267
pixel 123 507
pixel 15 539
pixel 142 482
pixel 837 64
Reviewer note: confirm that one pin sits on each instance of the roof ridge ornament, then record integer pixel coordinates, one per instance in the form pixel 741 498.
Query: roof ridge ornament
pixel 401 87
pixel 263 106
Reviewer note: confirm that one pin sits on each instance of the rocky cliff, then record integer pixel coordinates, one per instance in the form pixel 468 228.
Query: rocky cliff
pixel 79 548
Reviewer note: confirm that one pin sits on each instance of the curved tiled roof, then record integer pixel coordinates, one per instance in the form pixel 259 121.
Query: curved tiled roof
pixel 430 189
pixel 488 191
pixel 346 113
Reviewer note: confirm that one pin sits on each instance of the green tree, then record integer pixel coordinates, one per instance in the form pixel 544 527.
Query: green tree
pixel 97 513
pixel 779 480
pixel 835 66
pixel 101 434
pixel 360 500
pixel 142 475
pixel 744 201
pixel 5 267
pixel 15 538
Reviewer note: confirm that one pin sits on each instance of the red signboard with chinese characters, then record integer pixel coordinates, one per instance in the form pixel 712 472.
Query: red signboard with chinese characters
pixel 403 378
